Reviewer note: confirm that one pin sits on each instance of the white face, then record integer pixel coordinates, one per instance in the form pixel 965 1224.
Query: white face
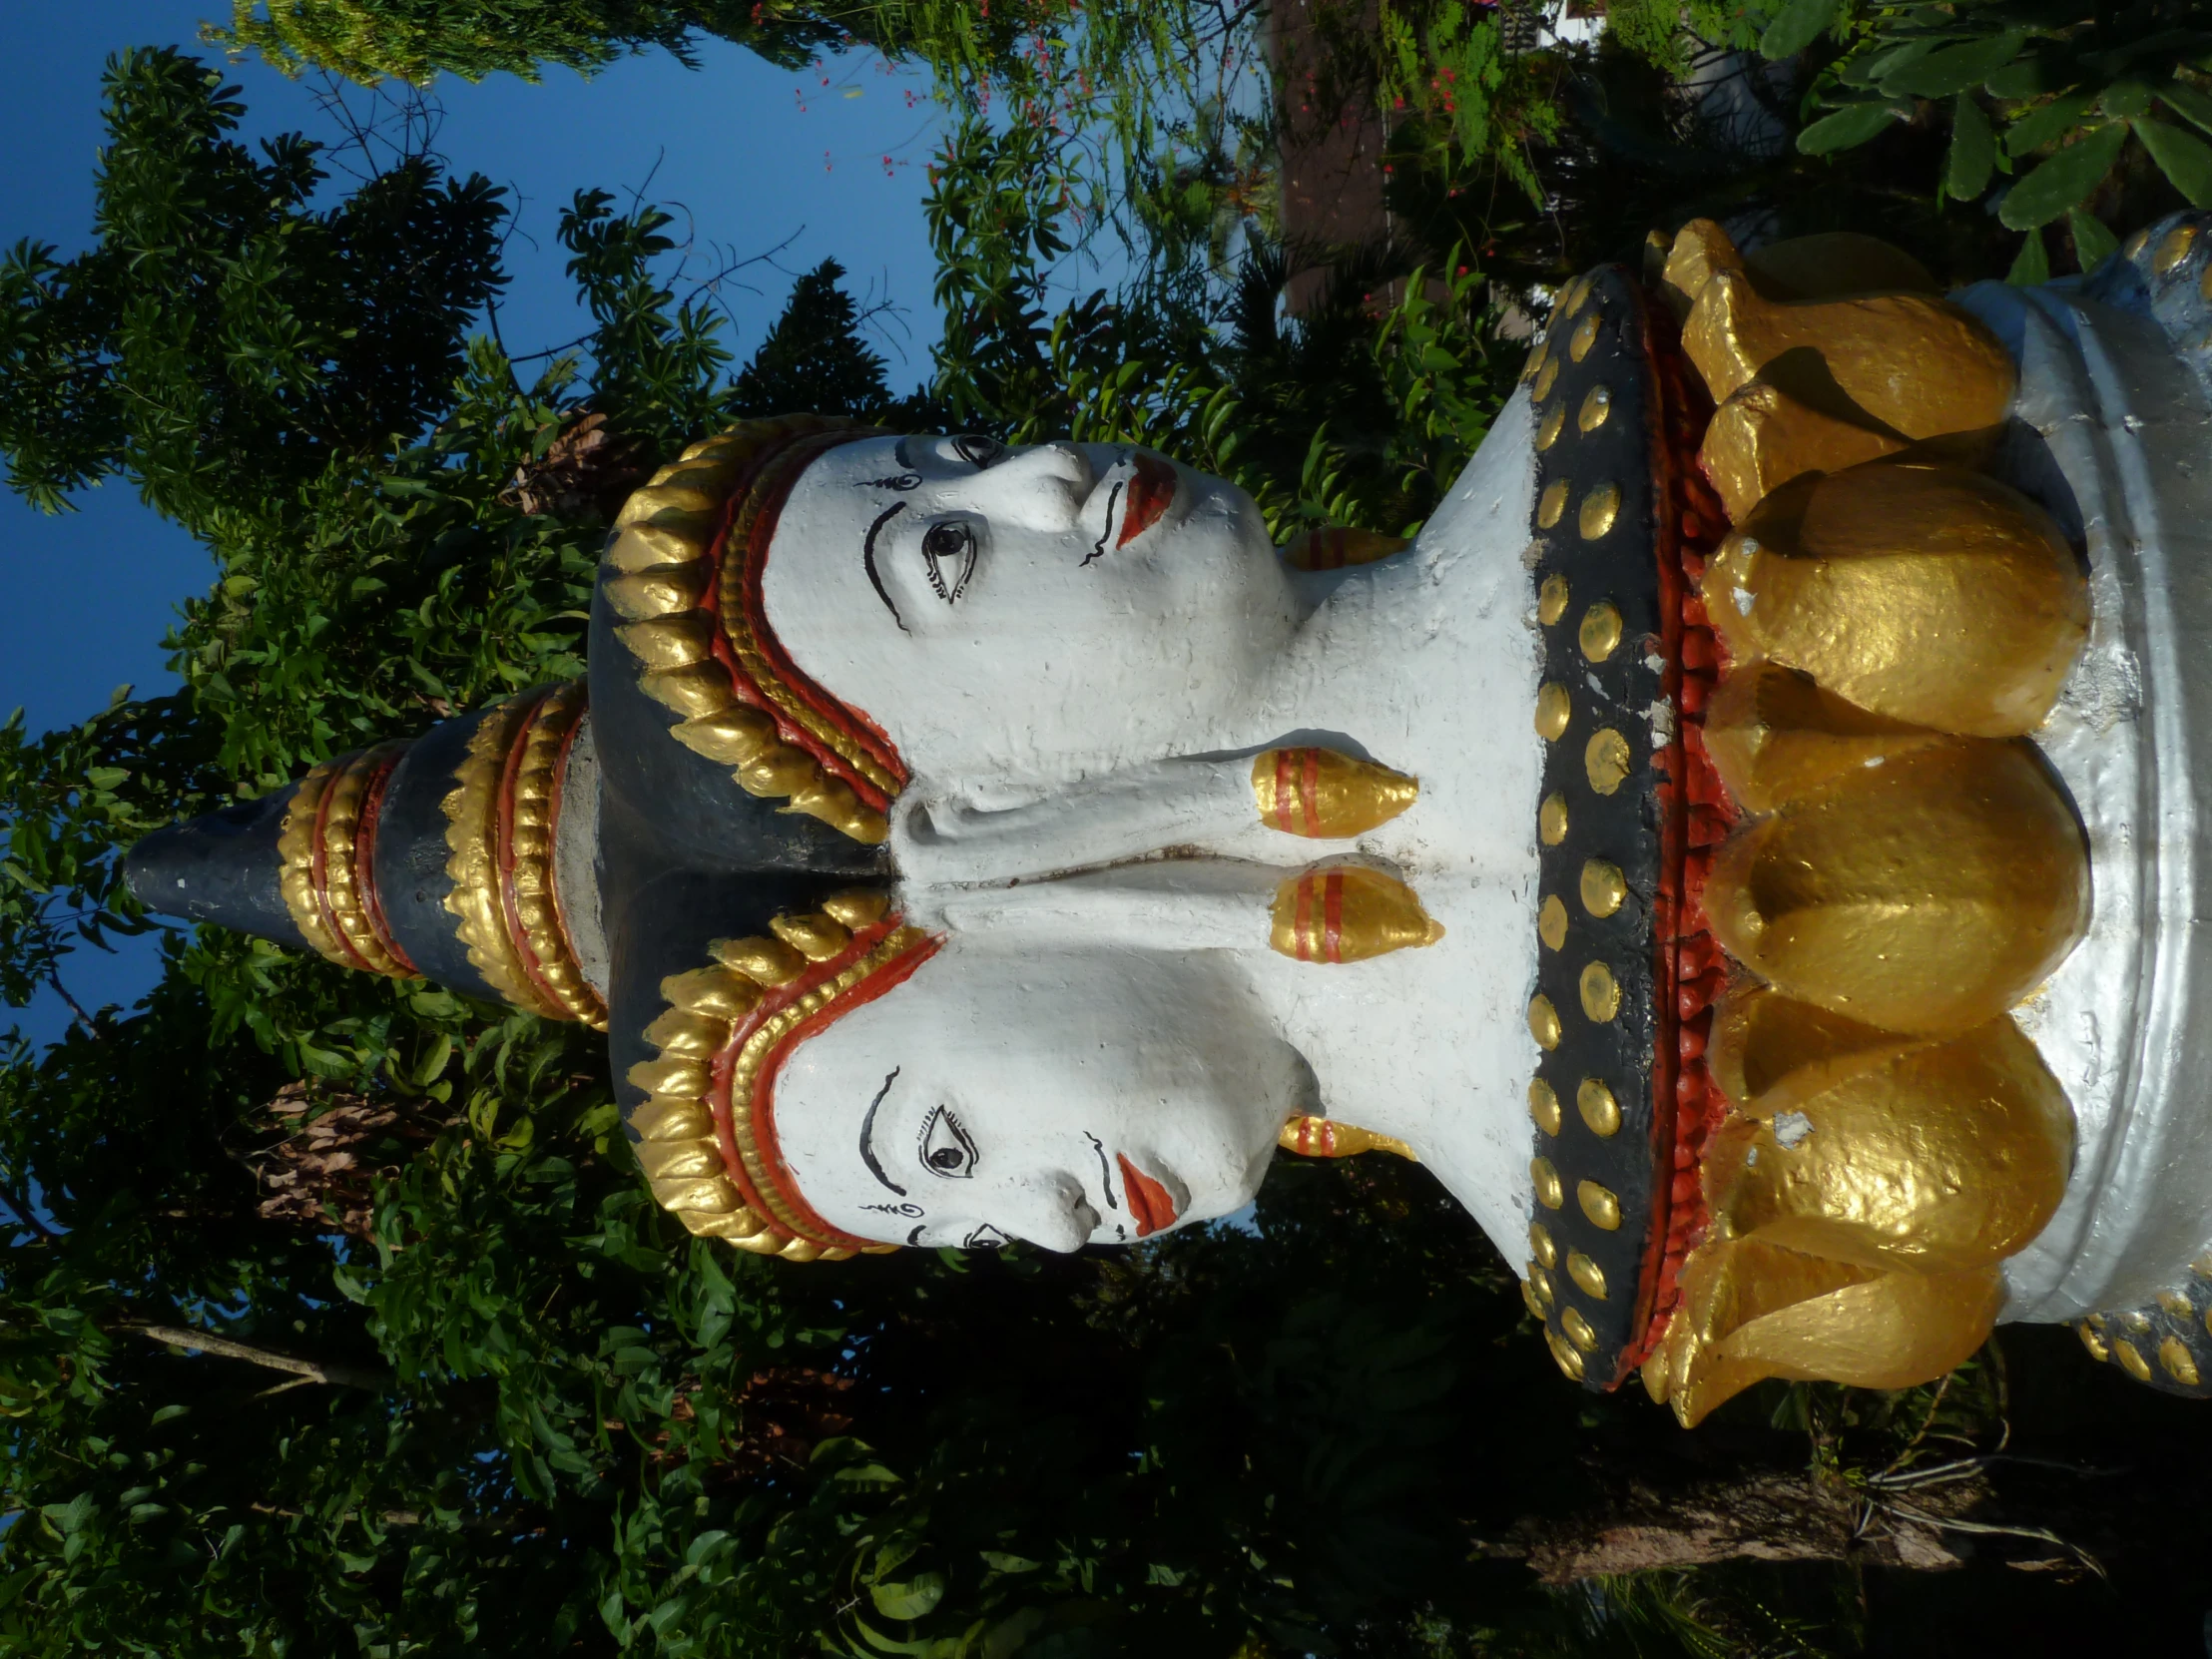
pixel 1042 611
pixel 1062 1098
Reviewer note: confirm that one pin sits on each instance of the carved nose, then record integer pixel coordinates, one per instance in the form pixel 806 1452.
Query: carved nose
pixel 1042 487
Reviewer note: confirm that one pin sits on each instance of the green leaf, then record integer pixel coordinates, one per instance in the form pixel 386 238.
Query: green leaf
pixel 2182 156
pixel 1954 69
pixel 914 1598
pixel 1847 128
pixel 1797 26
pixel 2188 103
pixel 2033 266
pixel 1974 151
pixel 2093 244
pixel 2062 181
pixel 2046 125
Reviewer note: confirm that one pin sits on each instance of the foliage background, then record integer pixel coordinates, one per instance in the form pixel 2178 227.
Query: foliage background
pixel 524 1412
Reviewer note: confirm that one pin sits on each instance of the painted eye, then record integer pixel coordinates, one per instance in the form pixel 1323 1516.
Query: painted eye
pixel 978 451
pixel 945 1147
pixel 985 1238
pixel 948 556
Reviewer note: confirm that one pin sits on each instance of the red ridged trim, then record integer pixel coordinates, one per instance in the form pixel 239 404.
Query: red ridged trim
pixel 1695 816
pixel 365 863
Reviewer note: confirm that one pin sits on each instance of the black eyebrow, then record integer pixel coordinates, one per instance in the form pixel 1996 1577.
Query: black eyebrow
pixel 875 580
pixel 867 1134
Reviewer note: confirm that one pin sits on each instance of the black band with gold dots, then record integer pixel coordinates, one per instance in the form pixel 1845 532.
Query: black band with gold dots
pixel 1604 715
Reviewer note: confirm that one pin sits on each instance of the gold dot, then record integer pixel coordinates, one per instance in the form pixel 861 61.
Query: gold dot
pixel 1548 433
pixel 2094 1343
pixel 1543 1106
pixel 2202 1266
pixel 2135 244
pixel 1604 757
pixel 2174 249
pixel 1551 503
pixel 1544 1024
pixel 1539 1240
pixel 2130 1361
pixel 1596 408
pixel 2204 283
pixel 2177 1304
pixel 1600 633
pixel 1599 1107
pixel 1552 923
pixel 1578 1329
pixel 1551 819
pixel 1577 292
pixel 1599 508
pixel 2135 1321
pixel 1600 1204
pixel 2180 1365
pixel 1535 361
pixel 1601 992
pixel 1541 1282
pixel 1551 600
pixel 1586 1274
pixel 1585 337
pixel 1564 1354
pixel 1545 376
pixel 1548 1191
pixel 1528 1299
pixel 1604 888
pixel 1553 711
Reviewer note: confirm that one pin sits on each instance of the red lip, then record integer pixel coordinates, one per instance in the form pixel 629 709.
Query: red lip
pixel 1150 490
pixel 1149 1205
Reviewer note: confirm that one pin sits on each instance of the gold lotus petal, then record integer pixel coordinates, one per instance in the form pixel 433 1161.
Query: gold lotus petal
pixel 836 803
pixel 715 991
pixel 1948 1157
pixel 732 1227
pixel 859 907
pixel 1700 249
pixel 1769 432
pixel 670 641
pixel 651 546
pixel 779 770
pixel 669 1075
pixel 800 1250
pixel 665 1162
pixel 1775 736
pixel 766 961
pixel 1928 895
pixel 1895 1332
pixel 672 1118
pixel 693 691
pixel 697 1036
pixel 816 938
pixel 665 590
pixel 730 737
pixel 712 1194
pixel 767 1242
pixel 1914 363
pixel 655 502
pixel 1543 1106
pixel 1922 593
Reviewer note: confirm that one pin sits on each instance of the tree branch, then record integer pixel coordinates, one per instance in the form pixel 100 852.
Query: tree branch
pixel 312 1371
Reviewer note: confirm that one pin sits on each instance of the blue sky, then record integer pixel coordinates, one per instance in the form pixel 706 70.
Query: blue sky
pixel 746 154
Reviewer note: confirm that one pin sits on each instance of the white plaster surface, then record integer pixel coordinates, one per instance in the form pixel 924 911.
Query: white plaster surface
pixel 2117 442
pixel 1069 710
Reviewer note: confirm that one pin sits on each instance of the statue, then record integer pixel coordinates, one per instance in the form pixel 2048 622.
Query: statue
pixel 1743 845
